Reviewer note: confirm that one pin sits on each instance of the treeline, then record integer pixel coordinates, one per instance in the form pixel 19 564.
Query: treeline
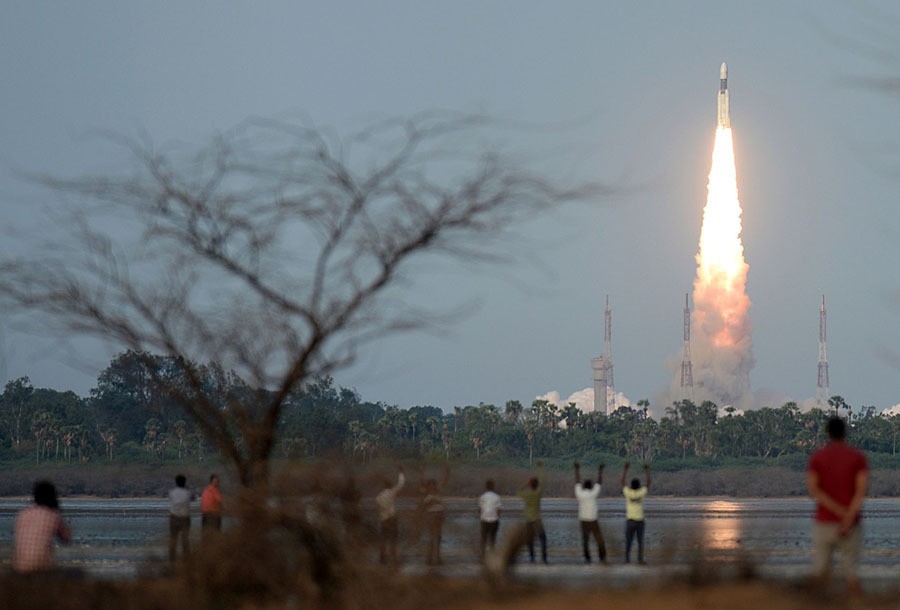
pixel 687 434
pixel 130 416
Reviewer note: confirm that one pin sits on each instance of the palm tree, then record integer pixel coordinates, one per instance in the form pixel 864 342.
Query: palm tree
pixel 180 431
pixel 513 411
pixel 413 422
pixel 109 437
pixel 39 426
pixel 572 415
pixel 151 429
pixel 644 405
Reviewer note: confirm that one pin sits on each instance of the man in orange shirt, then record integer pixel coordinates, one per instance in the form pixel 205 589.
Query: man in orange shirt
pixel 211 506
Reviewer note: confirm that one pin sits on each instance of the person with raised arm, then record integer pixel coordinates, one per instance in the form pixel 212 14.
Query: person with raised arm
pixel 587 495
pixel 531 494
pixel 388 531
pixel 634 511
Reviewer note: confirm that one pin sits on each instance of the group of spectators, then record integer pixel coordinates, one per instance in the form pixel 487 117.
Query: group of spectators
pixel 39 525
pixel 490 506
pixel 837 479
pixel 180 498
pixel 586 493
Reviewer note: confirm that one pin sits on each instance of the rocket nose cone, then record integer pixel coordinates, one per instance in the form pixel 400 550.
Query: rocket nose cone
pixel 723 71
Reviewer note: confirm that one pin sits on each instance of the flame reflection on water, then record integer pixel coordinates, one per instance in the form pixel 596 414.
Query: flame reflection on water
pixel 722 533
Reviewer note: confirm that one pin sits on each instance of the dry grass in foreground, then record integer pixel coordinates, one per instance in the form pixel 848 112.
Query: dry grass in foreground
pixel 383 590
pixel 720 596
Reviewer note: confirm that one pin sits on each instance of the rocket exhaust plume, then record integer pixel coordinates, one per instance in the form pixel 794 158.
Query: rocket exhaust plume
pixel 721 346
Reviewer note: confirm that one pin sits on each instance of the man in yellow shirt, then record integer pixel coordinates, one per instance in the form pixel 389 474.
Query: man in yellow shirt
pixel 634 511
pixel 531 494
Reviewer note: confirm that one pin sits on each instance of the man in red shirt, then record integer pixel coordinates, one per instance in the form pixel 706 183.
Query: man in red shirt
pixel 211 506
pixel 837 478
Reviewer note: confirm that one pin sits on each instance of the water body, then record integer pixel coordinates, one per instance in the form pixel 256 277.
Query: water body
pixel 117 538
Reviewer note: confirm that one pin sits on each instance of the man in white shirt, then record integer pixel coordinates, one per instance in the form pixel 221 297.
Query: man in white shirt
pixel 489 508
pixel 387 518
pixel 587 512
pixel 179 517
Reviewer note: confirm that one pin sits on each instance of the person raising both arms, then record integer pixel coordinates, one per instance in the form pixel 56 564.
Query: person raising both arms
pixel 586 495
pixel 531 494
pixel 634 511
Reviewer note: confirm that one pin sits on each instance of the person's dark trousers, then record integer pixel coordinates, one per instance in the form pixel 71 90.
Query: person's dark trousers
pixel 532 529
pixel 179 529
pixel 211 524
pixel 488 535
pixel 588 529
pixel 388 536
pixel 634 528
pixel 435 524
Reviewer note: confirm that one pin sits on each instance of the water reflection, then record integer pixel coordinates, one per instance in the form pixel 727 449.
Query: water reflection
pixel 722 534
pixel 723 506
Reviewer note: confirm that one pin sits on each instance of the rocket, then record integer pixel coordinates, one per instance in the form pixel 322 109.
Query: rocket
pixel 724 110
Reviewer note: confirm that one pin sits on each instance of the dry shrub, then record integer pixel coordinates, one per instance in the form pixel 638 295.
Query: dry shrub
pixel 274 558
pixel 65 590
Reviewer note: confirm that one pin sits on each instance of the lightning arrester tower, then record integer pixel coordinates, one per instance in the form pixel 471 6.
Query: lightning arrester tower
pixel 607 341
pixel 599 364
pixel 687 377
pixel 822 388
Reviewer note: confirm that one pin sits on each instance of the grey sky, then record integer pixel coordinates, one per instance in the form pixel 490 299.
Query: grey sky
pixel 631 88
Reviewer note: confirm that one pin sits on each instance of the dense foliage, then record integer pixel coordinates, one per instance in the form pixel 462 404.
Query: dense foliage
pixel 131 417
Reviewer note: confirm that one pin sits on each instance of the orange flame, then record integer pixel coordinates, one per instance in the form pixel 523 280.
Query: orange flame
pixel 720 299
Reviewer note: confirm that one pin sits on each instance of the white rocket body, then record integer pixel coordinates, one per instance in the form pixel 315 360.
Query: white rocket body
pixel 724 110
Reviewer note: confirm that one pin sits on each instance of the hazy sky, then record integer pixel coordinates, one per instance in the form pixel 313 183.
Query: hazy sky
pixel 630 88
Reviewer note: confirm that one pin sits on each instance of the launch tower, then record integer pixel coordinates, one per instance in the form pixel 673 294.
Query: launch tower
pixel 822 390
pixel 601 386
pixel 607 353
pixel 687 377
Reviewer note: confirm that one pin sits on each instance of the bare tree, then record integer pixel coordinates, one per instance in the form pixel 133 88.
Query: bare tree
pixel 273 251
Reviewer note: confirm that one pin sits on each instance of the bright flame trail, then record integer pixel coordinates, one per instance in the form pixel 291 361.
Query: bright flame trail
pixel 721 347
